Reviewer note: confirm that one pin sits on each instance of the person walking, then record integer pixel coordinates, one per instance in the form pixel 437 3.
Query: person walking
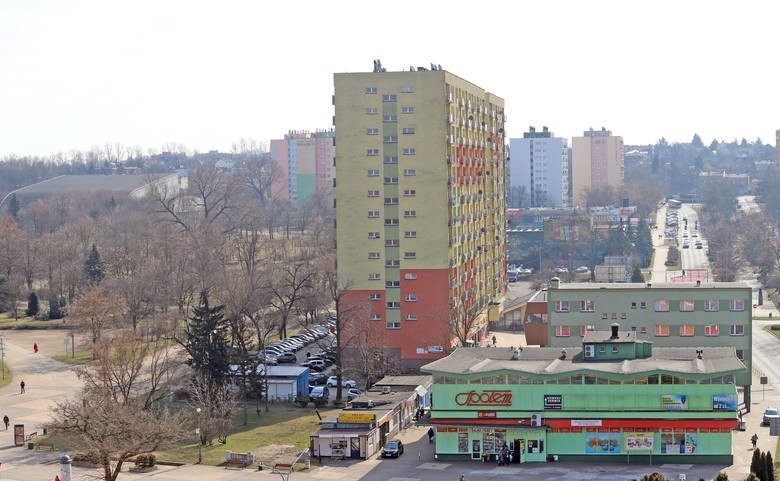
pixel 6 421
pixel 35 347
pixel 21 385
pixel 494 339
pixel 430 435
pixel 754 440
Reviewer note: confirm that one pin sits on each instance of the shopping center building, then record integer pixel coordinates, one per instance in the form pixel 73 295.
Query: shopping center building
pixel 615 396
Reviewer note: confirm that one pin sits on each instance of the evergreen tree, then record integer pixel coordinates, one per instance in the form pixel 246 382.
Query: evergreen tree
pixel 205 341
pixel 637 276
pixel 13 206
pixel 770 467
pixel 55 308
pixel 755 463
pixel 762 471
pixel 93 267
pixel 721 477
pixel 32 305
pixel 5 295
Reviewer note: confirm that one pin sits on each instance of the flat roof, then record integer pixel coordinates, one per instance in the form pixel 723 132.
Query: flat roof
pixel 547 361
pixel 606 336
pixel 573 286
pixel 423 380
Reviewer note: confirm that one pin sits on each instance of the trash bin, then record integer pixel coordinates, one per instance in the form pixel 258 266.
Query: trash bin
pixel 30 445
pixel 741 425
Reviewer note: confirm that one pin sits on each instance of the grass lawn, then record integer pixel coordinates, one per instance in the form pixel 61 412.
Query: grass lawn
pixel 284 425
pixel 7 321
pixel 5 379
pixel 773 329
pixel 82 356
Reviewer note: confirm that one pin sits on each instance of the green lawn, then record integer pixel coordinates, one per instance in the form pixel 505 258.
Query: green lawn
pixel 283 425
pixel 7 321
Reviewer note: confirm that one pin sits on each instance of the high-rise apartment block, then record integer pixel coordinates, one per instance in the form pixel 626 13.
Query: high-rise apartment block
pixel 305 163
pixel 538 170
pixel 596 162
pixel 420 203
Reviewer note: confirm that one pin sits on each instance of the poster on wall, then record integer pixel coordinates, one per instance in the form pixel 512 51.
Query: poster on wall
pixel 639 441
pixel 488 445
pixel 463 443
pixel 602 443
pixel 724 402
pixel 674 402
pixel 678 443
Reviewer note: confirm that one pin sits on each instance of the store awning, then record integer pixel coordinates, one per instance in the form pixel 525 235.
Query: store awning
pixel 637 424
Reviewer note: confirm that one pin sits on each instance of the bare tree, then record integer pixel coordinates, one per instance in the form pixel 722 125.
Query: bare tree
pixel 292 277
pixel 94 311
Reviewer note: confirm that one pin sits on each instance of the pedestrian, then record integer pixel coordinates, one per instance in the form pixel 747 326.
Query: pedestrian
pixel 754 440
pixel 21 385
pixel 35 347
pixel 6 421
pixel 462 477
pixel 430 435
pixel 494 339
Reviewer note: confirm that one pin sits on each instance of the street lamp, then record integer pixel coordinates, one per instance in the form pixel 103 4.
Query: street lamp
pixel 197 431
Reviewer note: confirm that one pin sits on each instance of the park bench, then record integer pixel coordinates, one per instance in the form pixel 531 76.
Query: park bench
pixel 282 468
pixel 235 463
pixel 238 460
pixel 44 445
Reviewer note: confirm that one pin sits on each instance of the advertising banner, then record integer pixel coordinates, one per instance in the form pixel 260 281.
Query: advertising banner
pixel 639 441
pixel 674 402
pixel 602 443
pixel 724 402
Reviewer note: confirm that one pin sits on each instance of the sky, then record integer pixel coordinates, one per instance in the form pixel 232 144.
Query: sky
pixel 81 73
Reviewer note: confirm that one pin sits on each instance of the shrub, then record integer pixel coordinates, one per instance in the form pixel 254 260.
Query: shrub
pixel 146 460
pixel 32 305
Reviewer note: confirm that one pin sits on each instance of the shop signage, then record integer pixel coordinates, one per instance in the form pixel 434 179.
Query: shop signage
pixel 486 414
pixel 724 402
pixel 586 422
pixel 639 441
pixel 488 397
pixel 553 401
pixel 674 402
pixel 356 418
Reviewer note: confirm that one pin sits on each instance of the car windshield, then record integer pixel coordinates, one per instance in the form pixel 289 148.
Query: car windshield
pixel 771 411
pixel 392 444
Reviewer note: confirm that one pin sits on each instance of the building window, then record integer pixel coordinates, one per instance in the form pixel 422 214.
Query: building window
pixel 372 152
pixel 411 317
pixel 407 90
pixel 736 305
pixel 373 193
pixel 407 110
pixel 373 235
pixel 391 222
pixel 602 349
pixel 370 90
pixel 643 330
pixel 373 172
pixel 633 305
pixel 562 331
pixel 410 193
pixel 410 213
pixel 391 242
pixel 389 98
pixel 741 354
pixel 410 171
pixel 375 297
pixel 393 263
pixel 393 325
pixel 394 305
pixel 389 118
pixel 411 298
pixel 615 349
pixel 391 159
pixel 686 330
pixel 686 305
pixel 391 180
pixel 410 234
pixel 375 317
pixel 711 305
pixel 662 305
pixel 410 276
pixel 373 276
pixel 372 131
pixel 391 200
pixel 372 214
pixel 711 330
pixel 409 151
pixel 737 330
pixel 662 330
pixel 390 139
pixel 392 283
pixel 587 306
pixel 561 306
pixel 643 305
pixel 372 111
pixel 407 130
pixel 410 255
pixel 373 255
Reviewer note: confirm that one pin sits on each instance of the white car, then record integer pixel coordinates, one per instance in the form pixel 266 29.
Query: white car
pixel 333 381
pixel 352 393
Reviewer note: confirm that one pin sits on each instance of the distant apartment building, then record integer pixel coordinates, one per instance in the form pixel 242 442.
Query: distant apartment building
pixel 596 162
pixel 538 170
pixel 420 210
pixel 305 163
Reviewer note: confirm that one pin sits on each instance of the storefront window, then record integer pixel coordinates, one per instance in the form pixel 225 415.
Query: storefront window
pixel 535 446
pixel 513 379
pixel 652 379
pixel 576 379
pixel 488 380
pixel 679 443
pixel 500 379
pixel 590 379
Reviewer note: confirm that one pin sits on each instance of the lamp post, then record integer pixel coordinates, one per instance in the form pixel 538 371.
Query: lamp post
pixel 200 444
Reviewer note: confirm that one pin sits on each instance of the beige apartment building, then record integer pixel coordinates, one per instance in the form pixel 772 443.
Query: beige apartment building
pixel 420 202
pixel 596 162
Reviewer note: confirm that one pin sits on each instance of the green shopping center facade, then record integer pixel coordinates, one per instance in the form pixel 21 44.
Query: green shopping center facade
pixel 615 397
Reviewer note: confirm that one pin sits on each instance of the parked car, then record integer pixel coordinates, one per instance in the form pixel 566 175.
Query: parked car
pixel 315 364
pixel 287 357
pixel 393 449
pixel 581 269
pixel 768 415
pixel 352 393
pixel 267 359
pixel 319 394
pixel 333 381
pixel 561 269
pixel 318 379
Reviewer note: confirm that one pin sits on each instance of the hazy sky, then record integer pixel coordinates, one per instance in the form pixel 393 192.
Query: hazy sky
pixel 74 74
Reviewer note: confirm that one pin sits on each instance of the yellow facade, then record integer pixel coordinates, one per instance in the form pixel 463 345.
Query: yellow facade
pixel 596 162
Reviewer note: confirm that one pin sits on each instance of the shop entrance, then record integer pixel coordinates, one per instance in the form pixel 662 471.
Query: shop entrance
pixel 518 453
pixel 475 449
pixel 354 447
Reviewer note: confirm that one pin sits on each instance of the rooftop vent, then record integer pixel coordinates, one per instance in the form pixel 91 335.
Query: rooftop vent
pixel 385 389
pixel 698 283
pixel 649 284
pixel 563 354
pixel 699 353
